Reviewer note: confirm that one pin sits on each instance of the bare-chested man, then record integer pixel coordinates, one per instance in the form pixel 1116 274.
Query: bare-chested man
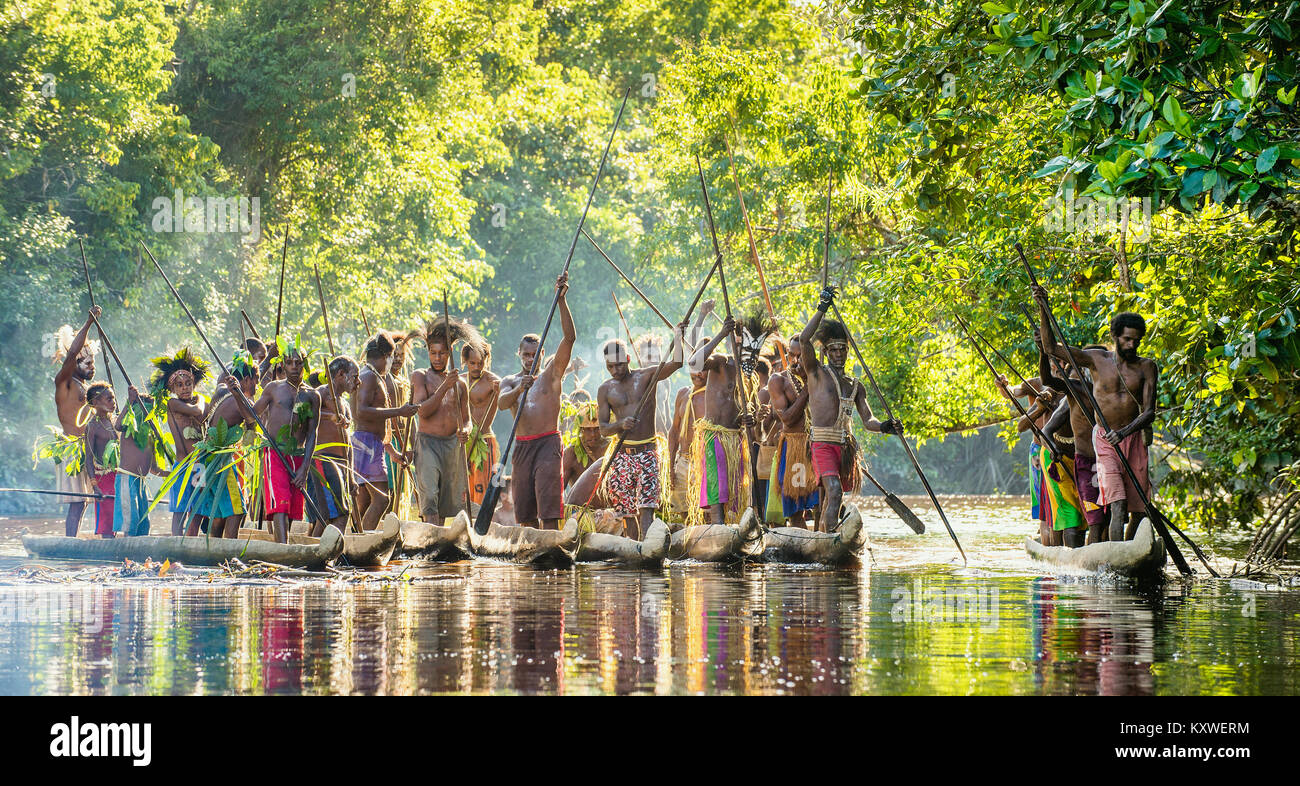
pixel 832 398
pixel 137 459
pixel 1078 427
pixel 720 454
pixel 794 480
pixel 101 452
pixel 76 371
pixel 484 391
pixel 331 490
pixel 443 427
pixel 175 380
pixel 290 409
pixel 632 479
pixel 687 408
pixel 1124 384
pixel 373 407
pixel 223 501
pixel 537 482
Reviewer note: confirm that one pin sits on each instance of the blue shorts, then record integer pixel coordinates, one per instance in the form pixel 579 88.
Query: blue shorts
pixel 130 515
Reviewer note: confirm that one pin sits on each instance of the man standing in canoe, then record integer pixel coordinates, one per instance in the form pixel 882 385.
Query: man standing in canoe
pixel 794 481
pixel 686 410
pixel 290 409
pixel 1042 404
pixel 330 484
pixel 373 406
pixel 442 428
pixel 632 478
pixel 536 475
pixel 1058 376
pixel 1124 384
pixel 222 498
pixel 484 390
pixel 76 370
pixel 720 455
pixel 138 451
pixel 833 396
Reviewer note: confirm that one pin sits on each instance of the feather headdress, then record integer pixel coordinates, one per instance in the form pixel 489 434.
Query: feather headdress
pixel 437 331
pixel 754 330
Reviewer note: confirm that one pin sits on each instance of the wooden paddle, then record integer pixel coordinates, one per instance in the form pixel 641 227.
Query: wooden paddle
pixel 108 370
pixel 899 507
pixel 492 496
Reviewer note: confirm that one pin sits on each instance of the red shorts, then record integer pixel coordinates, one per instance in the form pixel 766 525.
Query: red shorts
pixel 278 494
pixel 826 458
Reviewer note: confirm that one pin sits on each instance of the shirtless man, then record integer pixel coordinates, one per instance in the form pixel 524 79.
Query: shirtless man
pixel 175 379
pixel 75 372
pixel 484 391
pixel 101 437
pixel 373 406
pixel 591 442
pixel 719 451
pixel 290 409
pixel 687 408
pixel 331 491
pixel 443 426
pixel 223 503
pixel 537 482
pixel 1124 384
pixel 633 475
pixel 832 398
pixel 793 477
pixel 1078 427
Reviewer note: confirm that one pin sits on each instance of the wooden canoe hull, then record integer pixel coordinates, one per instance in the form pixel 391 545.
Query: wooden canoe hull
pixel 434 541
pixel 713 542
pixel 526 545
pixel 364 550
pixel 649 552
pixel 1142 558
pixel 795 546
pixel 199 550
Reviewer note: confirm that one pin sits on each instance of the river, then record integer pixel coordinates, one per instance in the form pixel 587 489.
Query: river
pixel 911 620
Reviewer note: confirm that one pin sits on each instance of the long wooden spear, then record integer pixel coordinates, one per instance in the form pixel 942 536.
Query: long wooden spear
pixel 1157 517
pixel 493 494
pixel 618 307
pixel 630 282
pixel 755 493
pixel 279 303
pixel 354 517
pixel 1042 438
pixel 225 370
pixel 249 322
pixel 85 268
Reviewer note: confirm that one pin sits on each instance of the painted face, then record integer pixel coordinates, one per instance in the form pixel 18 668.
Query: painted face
pixel 528 354
pixel 1126 344
pixel 473 363
pixel 348 381
pixel 438 356
pixel 293 365
pixel 181 385
pixel 86 365
pixel 105 403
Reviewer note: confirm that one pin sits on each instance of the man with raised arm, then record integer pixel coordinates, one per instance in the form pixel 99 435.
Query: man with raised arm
pixel 375 404
pixel 720 463
pixel 1124 384
pixel 330 485
pixel 833 396
pixel 536 480
pixel 76 371
pixel 632 479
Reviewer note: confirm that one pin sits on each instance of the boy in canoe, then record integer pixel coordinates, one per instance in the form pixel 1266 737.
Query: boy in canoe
pixel 101 453
pixel 138 458
pixel 173 385
pixel 222 500
pixel 833 396
pixel 330 485
pixel 484 390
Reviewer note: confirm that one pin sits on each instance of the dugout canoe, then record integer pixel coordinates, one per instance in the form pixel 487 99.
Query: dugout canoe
pixel 526 545
pixel 714 542
pixel 371 549
pixel 796 546
pixel 434 541
pixel 1142 558
pixel 649 552
pixel 198 550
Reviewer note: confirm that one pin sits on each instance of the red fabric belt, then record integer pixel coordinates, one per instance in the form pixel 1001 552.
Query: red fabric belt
pixel 532 437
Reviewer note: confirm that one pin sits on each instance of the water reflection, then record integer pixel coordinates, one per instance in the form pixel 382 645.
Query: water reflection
pixel 480 627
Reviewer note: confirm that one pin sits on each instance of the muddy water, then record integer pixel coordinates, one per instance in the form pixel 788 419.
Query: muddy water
pixel 911 620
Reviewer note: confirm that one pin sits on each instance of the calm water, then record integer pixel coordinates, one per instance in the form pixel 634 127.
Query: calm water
pixel 912 620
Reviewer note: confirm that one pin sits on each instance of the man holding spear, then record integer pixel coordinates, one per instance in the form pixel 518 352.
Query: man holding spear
pixel 373 406
pixel 76 370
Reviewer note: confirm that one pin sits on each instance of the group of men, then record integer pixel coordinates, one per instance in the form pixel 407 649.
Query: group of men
pixel 1089 469
pixel 766 423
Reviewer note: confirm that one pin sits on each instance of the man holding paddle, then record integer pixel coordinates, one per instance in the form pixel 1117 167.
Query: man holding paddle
pixel 832 398
pixel 1124 385
pixel 537 484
